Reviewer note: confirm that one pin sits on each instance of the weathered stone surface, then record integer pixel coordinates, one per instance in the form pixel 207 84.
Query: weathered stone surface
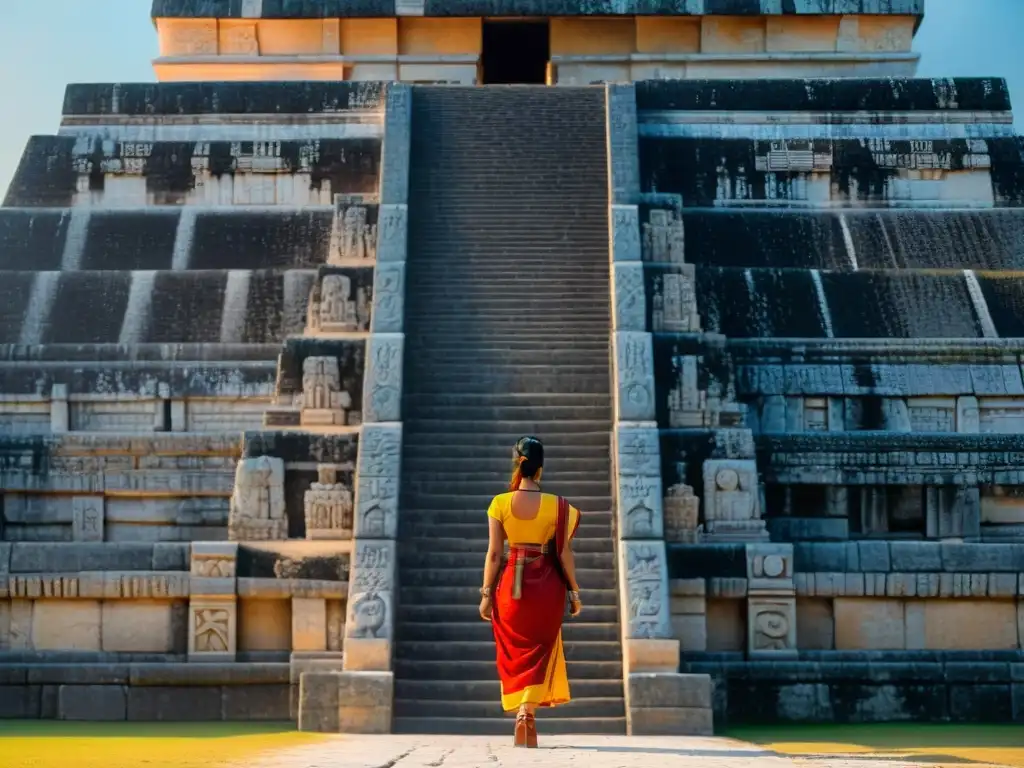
pixel 257 504
pixel 639 493
pixel 174 704
pixel 863 624
pixel 256 702
pixel 370 624
pixel 667 690
pixel 92 702
pixel 319 702
pixel 644 589
pixel 671 721
pixel 634 361
pixel 382 398
pixel 377 479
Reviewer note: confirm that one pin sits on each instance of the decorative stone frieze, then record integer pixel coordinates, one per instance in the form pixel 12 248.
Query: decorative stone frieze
pixel 392 242
pixel 377 481
pixel 732 502
pixel 674 301
pixel 625 222
pixel 257 510
pixel 87 518
pixel 382 390
pixel 638 481
pixel 663 240
pixel 328 506
pixel 630 301
pixel 388 297
pixel 324 401
pixel 634 366
pixel 682 514
pixel 369 627
pixel 340 306
pixel 645 595
pixel 354 233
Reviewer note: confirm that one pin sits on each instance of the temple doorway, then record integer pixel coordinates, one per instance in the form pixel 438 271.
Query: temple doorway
pixel 515 52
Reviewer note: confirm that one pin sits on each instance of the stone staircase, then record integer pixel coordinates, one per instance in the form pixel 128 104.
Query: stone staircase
pixel 508 313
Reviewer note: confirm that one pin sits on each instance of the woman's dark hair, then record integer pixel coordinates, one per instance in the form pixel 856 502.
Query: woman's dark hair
pixel 527 461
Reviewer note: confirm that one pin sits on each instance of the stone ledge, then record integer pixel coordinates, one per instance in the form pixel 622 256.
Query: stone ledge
pixel 171 353
pixel 282 589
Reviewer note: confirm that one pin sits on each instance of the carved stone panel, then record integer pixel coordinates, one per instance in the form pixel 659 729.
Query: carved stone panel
pixel 213 560
pixel 394 228
pixel 663 240
pixel 732 506
pixel 769 566
pixel 968 419
pixel 644 578
pixel 323 399
pixel 771 626
pixel 630 302
pixel 625 233
pixel 674 301
pixel 339 306
pixel 377 480
pixel 382 390
pixel 212 629
pixel 634 357
pixel 388 297
pixel 353 234
pixel 371 591
pixel 328 506
pixel 638 482
pixel 682 514
pixel 257 510
pixel 87 518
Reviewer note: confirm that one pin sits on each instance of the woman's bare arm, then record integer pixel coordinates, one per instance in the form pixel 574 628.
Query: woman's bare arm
pixel 492 562
pixel 569 566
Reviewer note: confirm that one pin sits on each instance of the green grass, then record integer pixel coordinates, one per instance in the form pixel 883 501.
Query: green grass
pixel 934 744
pixel 51 744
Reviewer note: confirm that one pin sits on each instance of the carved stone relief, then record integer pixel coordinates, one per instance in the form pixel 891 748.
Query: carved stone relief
pixel 239 40
pixel 394 228
pixel 646 586
pixel 339 309
pixel 323 399
pixel 382 390
pixel 335 625
pixel 87 518
pixel 257 510
pixel 630 301
pixel 663 237
pixel 635 372
pixel 371 587
pixel 682 514
pixel 769 567
pixel 625 233
pixel 638 481
pixel 771 626
pixel 213 560
pixel 328 506
pixel 732 506
pixel 353 237
pixel 377 481
pixel 388 297
pixel 674 303
pixel 212 628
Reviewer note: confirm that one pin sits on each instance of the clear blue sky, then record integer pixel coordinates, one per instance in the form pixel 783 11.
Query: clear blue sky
pixel 44 44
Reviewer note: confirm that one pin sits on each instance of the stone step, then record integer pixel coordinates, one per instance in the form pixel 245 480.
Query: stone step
pixel 500 288
pixel 556 477
pixel 459 708
pixel 573 444
pixel 493 326
pixel 415 558
pixel 489 690
pixel 414 490
pixel 484 669
pixel 467 611
pixel 446 508
pixel 483 650
pixel 499 726
pixel 509 399
pixel 470 595
pixel 423 533
pixel 489 344
pixel 454 427
pixel 576 414
pixel 477 545
pixel 500 467
pixel 539 383
pixel 418 359
pixel 525 300
pixel 479 631
pixel 412 577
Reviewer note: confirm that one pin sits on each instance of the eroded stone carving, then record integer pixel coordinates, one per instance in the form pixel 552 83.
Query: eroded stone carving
pixel 625 233
pixel 87 518
pixel 682 514
pixel 635 373
pixel 211 628
pixel 353 237
pixel 394 229
pixel 339 309
pixel 639 482
pixel 388 298
pixel 663 239
pixel 323 399
pixel 732 507
pixel 370 591
pixel 769 566
pixel 328 506
pixel 647 589
pixel 257 504
pixel 377 481
pixel 771 626
pixel 674 303
pixel 382 390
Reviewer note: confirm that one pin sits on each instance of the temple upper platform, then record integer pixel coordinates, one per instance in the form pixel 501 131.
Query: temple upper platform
pixel 563 42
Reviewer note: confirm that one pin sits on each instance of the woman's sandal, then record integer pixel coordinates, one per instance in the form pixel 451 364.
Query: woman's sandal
pixel 531 732
pixel 522 730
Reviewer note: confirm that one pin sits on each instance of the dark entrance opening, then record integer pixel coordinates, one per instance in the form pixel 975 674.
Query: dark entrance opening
pixel 515 52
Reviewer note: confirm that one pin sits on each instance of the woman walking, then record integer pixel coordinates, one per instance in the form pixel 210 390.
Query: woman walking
pixel 526 602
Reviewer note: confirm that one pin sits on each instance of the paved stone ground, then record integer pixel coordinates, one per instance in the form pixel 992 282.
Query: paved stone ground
pixel 555 752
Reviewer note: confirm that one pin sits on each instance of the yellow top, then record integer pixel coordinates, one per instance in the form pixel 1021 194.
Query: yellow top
pixel 538 530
